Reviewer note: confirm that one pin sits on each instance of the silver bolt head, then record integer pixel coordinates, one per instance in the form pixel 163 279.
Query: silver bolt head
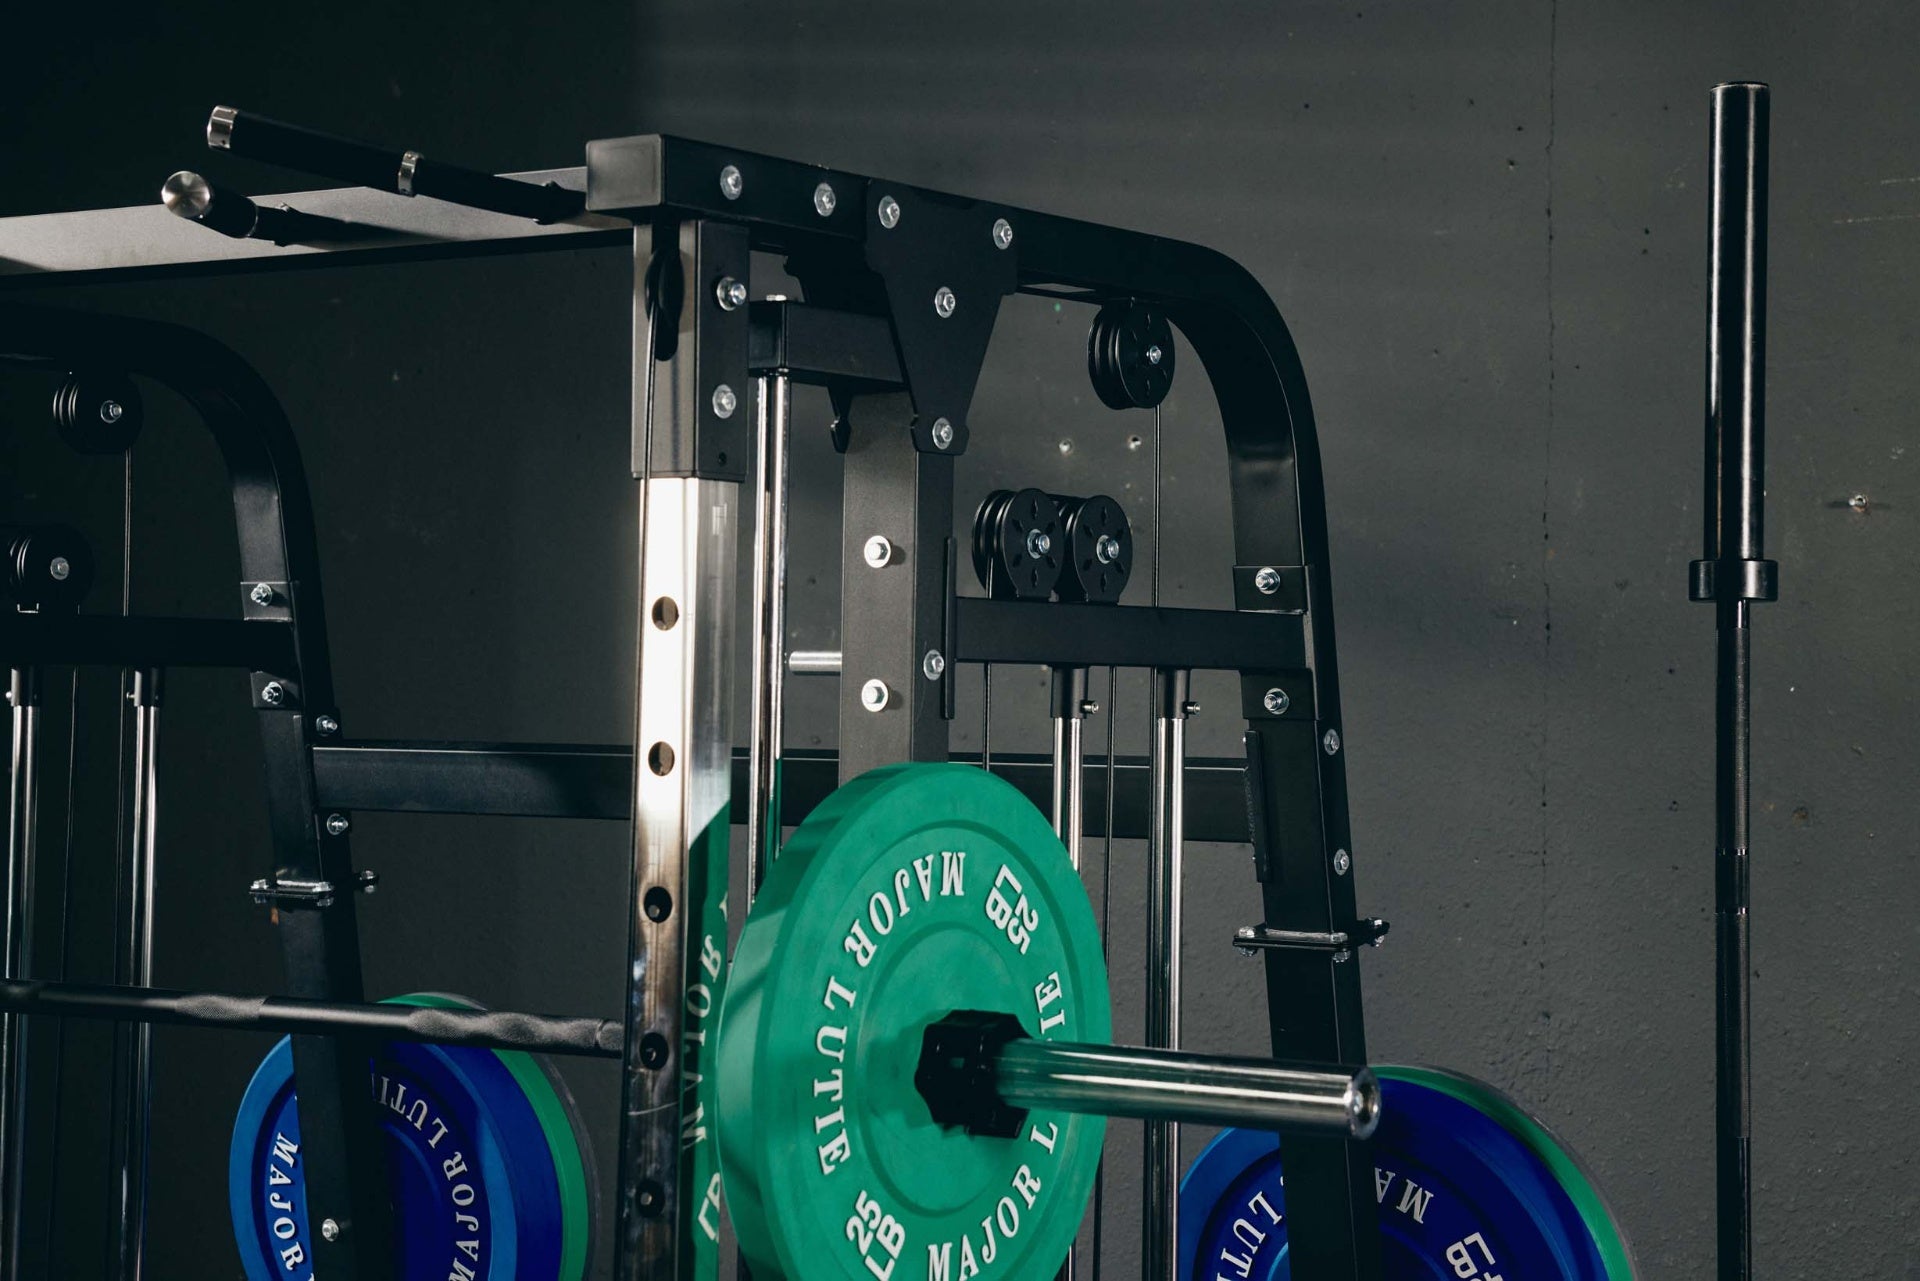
pixel 942 433
pixel 261 595
pixel 1038 543
pixel 1088 707
pixel 878 551
pixel 1189 708
pixel 59 568
pixel 889 212
pixel 337 824
pixel 330 1229
pixel 1342 862
pixel 273 693
pixel 111 411
pixel 327 726
pixel 1106 549
pixel 1277 701
pixel 934 665
pixel 1002 232
pixel 724 401
pixel 731 183
pixel 874 696
pixel 824 200
pixel 731 294
pixel 1267 580
pixel 944 302
pixel 1331 741
pixel 1858 502
pixel 1155 355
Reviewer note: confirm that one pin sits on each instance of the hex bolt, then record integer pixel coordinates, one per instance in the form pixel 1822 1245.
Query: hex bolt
pixel 824 200
pixel 1002 232
pixel 942 433
pixel 337 825
pixel 273 693
pixel 944 302
pixel 261 595
pixel 731 294
pixel 1106 549
pixel 878 551
pixel 326 725
pixel 731 183
pixel 934 665
pixel 59 569
pixel 724 401
pixel 330 1229
pixel 1267 580
pixel 874 696
pixel 1342 862
pixel 889 212
pixel 1155 355
pixel 1038 543
pixel 1331 741
pixel 367 882
pixel 1858 502
pixel 111 411
pixel 1277 701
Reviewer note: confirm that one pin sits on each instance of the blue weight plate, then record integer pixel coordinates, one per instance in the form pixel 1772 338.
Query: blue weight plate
pixel 1461 1197
pixel 473 1181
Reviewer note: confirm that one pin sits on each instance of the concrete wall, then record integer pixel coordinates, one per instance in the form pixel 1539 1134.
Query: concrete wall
pixel 1485 225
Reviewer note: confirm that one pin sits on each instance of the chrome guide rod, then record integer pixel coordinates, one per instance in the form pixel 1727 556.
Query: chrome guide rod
pixel 1161 1176
pixel 133 1042
pixel 769 627
pixel 16 951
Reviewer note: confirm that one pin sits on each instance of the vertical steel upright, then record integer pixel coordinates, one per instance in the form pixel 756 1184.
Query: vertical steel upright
pixel 1166 848
pixel 16 951
pixel 134 1041
pixel 769 626
pixel 1733 574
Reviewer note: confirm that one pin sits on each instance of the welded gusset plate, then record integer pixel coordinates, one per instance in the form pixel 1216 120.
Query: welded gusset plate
pixel 488 1175
pixel 1469 1187
pixel 912 892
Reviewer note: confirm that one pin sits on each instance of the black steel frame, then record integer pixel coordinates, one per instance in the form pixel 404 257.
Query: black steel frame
pixel 862 284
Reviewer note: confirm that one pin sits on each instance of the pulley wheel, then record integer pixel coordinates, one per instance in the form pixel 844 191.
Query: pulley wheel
pixel 1099 550
pixel 1469 1185
pixel 1018 544
pixel 912 892
pixel 1130 356
pixel 98 413
pixel 488 1167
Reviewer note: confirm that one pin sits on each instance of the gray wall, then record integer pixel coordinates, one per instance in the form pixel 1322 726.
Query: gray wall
pixel 1485 225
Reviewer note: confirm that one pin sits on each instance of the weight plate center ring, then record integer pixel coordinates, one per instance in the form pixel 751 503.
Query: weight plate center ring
pixel 914 892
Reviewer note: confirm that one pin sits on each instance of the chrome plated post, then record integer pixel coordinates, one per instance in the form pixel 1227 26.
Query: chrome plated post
pixel 1069 809
pixel 16 953
pixel 769 627
pixel 677 929
pixel 1161 1177
pixel 133 1042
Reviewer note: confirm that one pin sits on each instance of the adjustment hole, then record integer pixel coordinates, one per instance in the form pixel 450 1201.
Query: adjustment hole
pixel 653 1050
pixel 660 759
pixel 665 613
pixel 658 904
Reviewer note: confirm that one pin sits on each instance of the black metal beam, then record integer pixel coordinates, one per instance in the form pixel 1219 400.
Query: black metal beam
pixel 108 640
pixel 532 780
pixel 1064 635
pixel 820 344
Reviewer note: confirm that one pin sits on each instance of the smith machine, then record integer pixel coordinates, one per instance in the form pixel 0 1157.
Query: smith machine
pixel 908 1071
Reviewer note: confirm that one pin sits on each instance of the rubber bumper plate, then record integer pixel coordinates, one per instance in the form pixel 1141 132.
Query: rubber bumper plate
pixel 490 1174
pixel 1470 1188
pixel 911 892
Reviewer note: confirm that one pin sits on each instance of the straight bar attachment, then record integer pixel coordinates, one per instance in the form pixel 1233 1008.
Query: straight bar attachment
pixel 401 171
pixel 483 1029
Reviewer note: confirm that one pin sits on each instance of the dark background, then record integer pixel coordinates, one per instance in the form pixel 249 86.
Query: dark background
pixel 1486 226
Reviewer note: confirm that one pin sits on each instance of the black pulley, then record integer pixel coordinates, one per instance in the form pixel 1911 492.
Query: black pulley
pixel 1099 550
pixel 1130 356
pixel 1017 544
pixel 48 567
pixel 98 413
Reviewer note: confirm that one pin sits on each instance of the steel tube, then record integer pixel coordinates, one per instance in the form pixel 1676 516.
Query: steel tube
pixel 1069 802
pixel 1107 1080
pixel 769 628
pixel 485 1029
pixel 1160 1181
pixel 134 1044
pixel 814 662
pixel 1735 485
pixel 16 953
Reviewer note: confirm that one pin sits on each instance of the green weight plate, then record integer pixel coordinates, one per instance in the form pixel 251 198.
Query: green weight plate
pixel 912 892
pixel 566 1136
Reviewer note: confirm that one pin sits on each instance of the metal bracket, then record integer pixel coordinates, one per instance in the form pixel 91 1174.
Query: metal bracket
pixel 1371 932
pixel 286 892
